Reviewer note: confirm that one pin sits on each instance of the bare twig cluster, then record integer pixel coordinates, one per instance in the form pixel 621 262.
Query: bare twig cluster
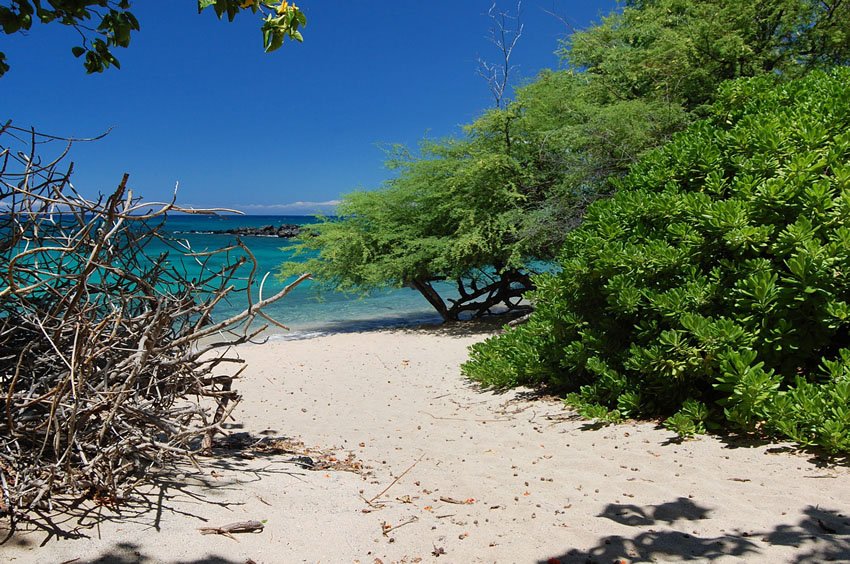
pixel 111 363
pixel 505 33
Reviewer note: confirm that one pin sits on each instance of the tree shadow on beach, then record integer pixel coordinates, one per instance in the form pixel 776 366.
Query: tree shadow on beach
pixel 820 536
pixel 146 506
pixel 472 327
pixel 164 496
pixel 132 553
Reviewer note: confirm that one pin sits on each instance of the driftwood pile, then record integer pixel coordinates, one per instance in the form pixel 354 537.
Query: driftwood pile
pixel 111 364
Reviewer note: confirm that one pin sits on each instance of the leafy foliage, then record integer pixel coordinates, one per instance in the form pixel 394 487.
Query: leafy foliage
pixel 445 217
pixel 114 26
pixel 646 72
pixel 713 287
pixel 508 192
pixel 679 50
pixel 479 210
pixel 569 142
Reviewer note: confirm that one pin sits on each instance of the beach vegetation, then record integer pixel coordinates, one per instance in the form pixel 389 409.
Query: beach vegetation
pixel 446 218
pixel 652 68
pixel 104 25
pixel 711 289
pixel 467 221
pixel 682 51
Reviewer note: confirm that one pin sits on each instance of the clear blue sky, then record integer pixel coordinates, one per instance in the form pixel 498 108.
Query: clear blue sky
pixel 197 101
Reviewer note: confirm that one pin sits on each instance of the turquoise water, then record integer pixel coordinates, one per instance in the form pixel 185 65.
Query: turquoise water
pixel 305 311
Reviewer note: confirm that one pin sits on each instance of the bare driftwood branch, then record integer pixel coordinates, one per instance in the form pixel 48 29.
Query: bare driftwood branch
pixel 228 530
pixel 108 366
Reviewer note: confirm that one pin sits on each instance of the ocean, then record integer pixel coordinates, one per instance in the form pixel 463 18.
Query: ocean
pixel 305 311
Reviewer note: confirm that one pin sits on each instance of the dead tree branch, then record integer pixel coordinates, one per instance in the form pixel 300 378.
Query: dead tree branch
pixel 505 32
pixel 107 367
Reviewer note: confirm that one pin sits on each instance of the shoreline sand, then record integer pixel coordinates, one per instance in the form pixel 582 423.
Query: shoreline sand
pixel 489 477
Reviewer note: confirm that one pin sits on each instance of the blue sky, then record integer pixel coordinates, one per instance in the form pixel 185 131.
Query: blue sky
pixel 197 101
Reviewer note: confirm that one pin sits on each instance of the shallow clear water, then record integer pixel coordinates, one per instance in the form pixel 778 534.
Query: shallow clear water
pixel 305 311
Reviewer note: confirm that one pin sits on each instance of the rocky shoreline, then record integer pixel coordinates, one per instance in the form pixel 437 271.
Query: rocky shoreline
pixel 287 231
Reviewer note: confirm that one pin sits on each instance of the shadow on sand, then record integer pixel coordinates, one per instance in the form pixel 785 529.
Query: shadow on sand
pixel 425 324
pixel 131 553
pixel 821 536
pixel 161 497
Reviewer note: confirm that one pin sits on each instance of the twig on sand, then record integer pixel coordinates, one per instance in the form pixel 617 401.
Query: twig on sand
pixel 240 527
pixel 387 528
pixel 445 499
pixel 462 419
pixel 374 506
pixel 399 477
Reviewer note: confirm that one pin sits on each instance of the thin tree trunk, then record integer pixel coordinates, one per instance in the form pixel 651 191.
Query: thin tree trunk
pixel 430 294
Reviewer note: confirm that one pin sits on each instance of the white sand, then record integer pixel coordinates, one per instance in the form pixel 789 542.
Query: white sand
pixel 541 485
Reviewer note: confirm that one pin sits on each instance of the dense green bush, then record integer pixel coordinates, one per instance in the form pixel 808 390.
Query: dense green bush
pixel 713 289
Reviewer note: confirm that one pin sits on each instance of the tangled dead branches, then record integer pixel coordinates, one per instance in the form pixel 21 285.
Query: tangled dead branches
pixel 111 362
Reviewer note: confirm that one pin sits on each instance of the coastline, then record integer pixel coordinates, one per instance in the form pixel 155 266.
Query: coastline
pixel 470 476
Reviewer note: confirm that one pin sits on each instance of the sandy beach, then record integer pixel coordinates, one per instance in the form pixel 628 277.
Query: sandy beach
pixel 431 469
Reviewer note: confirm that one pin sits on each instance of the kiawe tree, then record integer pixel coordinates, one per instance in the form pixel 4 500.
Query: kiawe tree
pixel 446 226
pixel 106 24
pixel 446 217
pixel 477 211
pixel 468 220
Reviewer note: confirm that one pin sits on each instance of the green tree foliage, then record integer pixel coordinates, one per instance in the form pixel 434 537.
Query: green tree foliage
pixel 106 24
pixel 646 72
pixel 447 216
pixel 570 142
pixel 713 287
pixel 558 142
pixel 650 69
pixel 477 211
pixel 681 50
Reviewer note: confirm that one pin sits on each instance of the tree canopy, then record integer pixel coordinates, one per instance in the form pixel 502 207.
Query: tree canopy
pixel 506 193
pixel 106 24
pixel 480 210
pixel 649 70
pixel 447 216
pixel 680 50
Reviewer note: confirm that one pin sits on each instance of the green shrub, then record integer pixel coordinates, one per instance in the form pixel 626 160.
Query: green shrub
pixel 713 288
pixel 690 420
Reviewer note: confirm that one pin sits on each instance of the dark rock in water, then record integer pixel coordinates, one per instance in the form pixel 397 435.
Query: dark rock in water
pixel 286 230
